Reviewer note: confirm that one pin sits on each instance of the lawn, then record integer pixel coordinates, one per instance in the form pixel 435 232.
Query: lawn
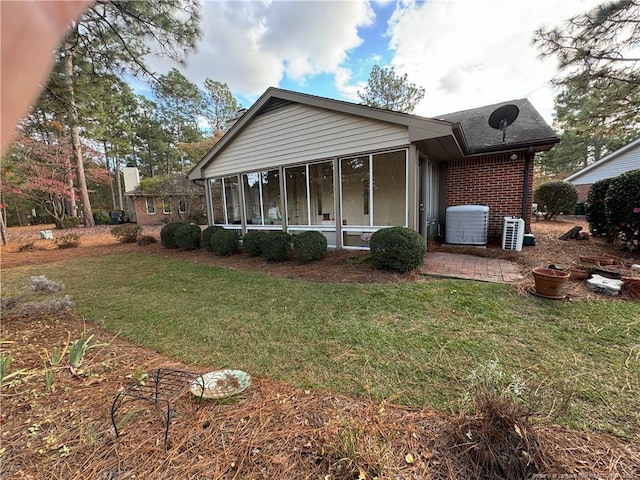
pixel 413 343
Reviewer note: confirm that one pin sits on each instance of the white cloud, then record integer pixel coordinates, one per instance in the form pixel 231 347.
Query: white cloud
pixel 469 53
pixel 252 45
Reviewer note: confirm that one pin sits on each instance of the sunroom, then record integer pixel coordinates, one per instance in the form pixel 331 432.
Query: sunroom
pixel 359 193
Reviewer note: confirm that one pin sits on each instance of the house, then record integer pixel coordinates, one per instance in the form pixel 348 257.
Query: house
pixel 623 160
pixel 174 199
pixel 347 170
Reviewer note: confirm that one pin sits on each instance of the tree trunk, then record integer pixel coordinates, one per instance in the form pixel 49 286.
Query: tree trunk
pixel 116 163
pixel 2 232
pixel 76 146
pixel 106 160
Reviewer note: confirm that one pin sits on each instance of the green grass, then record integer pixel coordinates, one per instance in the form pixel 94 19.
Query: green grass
pixel 413 344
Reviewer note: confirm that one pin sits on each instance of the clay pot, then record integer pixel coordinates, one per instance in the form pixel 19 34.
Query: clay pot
pixel 549 282
pixel 578 274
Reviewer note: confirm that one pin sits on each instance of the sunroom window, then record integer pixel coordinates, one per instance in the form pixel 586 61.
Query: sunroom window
pixel 262 198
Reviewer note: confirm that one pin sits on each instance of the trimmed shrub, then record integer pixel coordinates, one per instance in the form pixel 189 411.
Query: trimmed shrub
pixel 555 197
pixel 596 214
pixel 127 233
pixel 251 242
pixel 224 242
pixel 168 235
pixel 206 236
pixel 187 236
pixel 310 246
pixel 622 205
pixel 275 246
pixel 397 248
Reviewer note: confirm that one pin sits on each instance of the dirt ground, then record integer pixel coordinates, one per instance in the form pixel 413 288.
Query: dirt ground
pixel 270 431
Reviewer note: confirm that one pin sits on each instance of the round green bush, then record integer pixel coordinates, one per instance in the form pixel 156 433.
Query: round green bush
pixel 596 214
pixel 275 246
pixel 187 236
pixel 310 246
pixel 224 242
pixel 622 205
pixel 251 242
pixel 555 197
pixel 206 236
pixel 167 235
pixel 397 248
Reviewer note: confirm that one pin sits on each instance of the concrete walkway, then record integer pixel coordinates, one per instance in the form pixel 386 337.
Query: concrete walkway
pixel 470 267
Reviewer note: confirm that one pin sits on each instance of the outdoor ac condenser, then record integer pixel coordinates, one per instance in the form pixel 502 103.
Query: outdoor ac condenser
pixel 512 233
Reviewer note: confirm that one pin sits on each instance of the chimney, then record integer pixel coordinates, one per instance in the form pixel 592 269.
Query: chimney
pixel 131 178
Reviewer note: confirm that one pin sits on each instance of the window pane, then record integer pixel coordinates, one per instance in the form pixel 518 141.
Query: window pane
pixel 355 191
pixel 251 184
pixel 232 197
pixel 218 201
pixel 389 189
pixel 166 205
pixel 271 196
pixel 151 208
pixel 321 191
pixel 182 205
pixel 296 187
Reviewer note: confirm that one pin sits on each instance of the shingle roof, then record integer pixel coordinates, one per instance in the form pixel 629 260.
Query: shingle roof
pixel 529 128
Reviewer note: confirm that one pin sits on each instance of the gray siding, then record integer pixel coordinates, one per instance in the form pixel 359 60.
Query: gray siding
pixel 300 133
pixel 625 162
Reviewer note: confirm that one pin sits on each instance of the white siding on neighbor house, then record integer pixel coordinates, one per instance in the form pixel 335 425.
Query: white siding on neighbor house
pixel 625 162
pixel 300 133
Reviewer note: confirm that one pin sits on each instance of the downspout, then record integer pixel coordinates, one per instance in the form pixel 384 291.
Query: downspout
pixel 525 188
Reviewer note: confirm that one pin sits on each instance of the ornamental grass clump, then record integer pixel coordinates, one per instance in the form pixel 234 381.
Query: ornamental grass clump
pixel 206 236
pixel 187 236
pixel 224 242
pixel 275 246
pixel 495 438
pixel 168 235
pixel 127 233
pixel 309 246
pixel 397 248
pixel 251 242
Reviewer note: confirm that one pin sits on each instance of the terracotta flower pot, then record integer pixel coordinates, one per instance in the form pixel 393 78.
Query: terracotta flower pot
pixel 549 282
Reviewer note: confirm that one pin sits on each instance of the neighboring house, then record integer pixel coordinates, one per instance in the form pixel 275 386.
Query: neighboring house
pixel 161 207
pixel 623 160
pixel 347 170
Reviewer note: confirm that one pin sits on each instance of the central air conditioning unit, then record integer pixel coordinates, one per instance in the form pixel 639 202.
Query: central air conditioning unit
pixel 467 225
pixel 512 233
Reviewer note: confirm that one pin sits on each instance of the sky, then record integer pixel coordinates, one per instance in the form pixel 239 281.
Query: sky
pixel 464 53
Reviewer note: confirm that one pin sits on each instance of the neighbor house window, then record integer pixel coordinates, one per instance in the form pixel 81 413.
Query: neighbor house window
pixel 151 207
pixel 166 205
pixel 182 206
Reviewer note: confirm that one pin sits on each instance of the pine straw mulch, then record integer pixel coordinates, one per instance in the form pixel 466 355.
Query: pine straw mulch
pixel 270 431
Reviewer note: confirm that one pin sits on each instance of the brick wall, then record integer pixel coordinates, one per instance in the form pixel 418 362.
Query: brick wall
pixel 159 217
pixel 492 180
pixel 583 192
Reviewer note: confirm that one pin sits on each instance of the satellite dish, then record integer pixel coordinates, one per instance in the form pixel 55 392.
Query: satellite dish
pixel 502 117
